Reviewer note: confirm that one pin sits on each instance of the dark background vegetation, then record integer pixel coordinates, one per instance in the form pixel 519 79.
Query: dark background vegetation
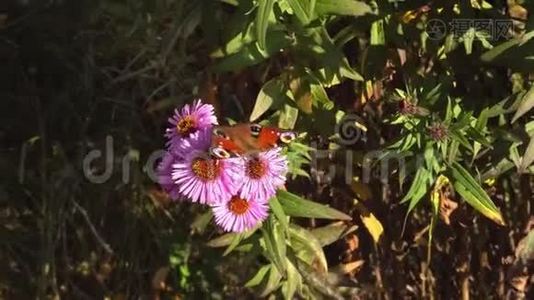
pixel 74 72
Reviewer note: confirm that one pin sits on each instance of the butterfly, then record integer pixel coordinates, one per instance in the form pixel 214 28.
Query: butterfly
pixel 240 139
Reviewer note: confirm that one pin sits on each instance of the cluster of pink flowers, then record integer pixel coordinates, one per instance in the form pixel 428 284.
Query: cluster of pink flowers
pixel 237 189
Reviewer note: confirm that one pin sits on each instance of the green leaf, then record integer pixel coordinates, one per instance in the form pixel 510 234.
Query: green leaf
pixel 265 8
pixel 473 193
pixel 320 96
pixel 298 207
pixel 469 37
pixel 342 7
pixel 459 137
pixel 235 242
pixel 222 241
pixel 301 9
pixel 330 233
pixel 256 279
pixel 377 33
pixel 347 71
pixel 293 281
pixel 526 104
pixel 288 117
pixel 303 240
pixel 496 51
pixel 278 211
pixel 418 188
pixel 251 54
pixel 201 222
pixel 275 244
pixel 528 157
pixel 272 282
pixel 271 92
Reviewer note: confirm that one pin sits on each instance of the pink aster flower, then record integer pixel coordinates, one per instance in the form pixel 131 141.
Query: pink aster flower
pixel 190 119
pixel 238 214
pixel 264 173
pixel 164 174
pixel 205 179
pixel 199 142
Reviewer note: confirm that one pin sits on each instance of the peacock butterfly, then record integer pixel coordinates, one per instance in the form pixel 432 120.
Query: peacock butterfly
pixel 245 138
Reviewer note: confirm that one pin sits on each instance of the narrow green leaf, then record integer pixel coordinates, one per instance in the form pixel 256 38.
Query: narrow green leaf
pixel 293 281
pixel 526 104
pixel 235 242
pixel 272 92
pixel 496 51
pixel 330 233
pixel 278 211
pixel 417 184
pixel 473 193
pixel 377 33
pixel 251 54
pixel 528 157
pixel 342 7
pixel 273 281
pixel 222 241
pixel 298 207
pixel 469 37
pixel 258 277
pixel 275 244
pixel 288 117
pixel 460 138
pixel 201 222
pixel 347 71
pixel 301 9
pixel 302 239
pixel 265 8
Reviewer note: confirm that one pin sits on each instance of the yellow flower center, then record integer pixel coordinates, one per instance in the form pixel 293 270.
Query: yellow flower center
pixel 206 169
pixel 256 168
pixel 186 126
pixel 238 205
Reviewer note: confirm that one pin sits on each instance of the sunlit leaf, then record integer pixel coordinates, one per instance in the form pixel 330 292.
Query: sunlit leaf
pixel 473 193
pixel 301 8
pixel 258 277
pixel 418 188
pixel 371 223
pixel 251 54
pixel 377 33
pixel 275 245
pixel 299 207
pixel 288 117
pixel 343 7
pixel 272 283
pixel 528 157
pixel 330 233
pixel 526 104
pixel 271 92
pixel 278 211
pixel 294 280
pixel 265 8
pixel 302 239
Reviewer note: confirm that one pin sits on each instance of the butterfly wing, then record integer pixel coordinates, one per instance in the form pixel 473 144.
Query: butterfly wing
pixel 245 138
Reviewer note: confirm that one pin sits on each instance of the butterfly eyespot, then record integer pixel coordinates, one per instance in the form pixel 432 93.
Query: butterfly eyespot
pixel 287 137
pixel 219 152
pixel 255 129
pixel 220 133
